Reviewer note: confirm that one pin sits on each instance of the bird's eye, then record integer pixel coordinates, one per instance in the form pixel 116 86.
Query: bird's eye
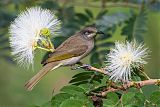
pixel 86 33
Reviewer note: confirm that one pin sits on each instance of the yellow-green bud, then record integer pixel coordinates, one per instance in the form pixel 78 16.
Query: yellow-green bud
pixel 45 32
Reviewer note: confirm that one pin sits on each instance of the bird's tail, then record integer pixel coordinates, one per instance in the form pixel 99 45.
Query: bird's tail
pixel 35 79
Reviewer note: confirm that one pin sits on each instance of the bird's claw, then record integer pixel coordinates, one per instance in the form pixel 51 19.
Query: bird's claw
pixel 84 66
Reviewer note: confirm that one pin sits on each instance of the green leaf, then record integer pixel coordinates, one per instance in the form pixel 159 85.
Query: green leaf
pixel 72 103
pixel 108 103
pixel 136 26
pixel 130 105
pixel 111 100
pixel 139 99
pixel 72 89
pixel 101 14
pixel 155 97
pixel 127 98
pixel 89 13
pixel 108 21
pixel 81 78
pixel 87 78
pixel 59 98
pixel 83 74
pixel 82 17
pixel 113 97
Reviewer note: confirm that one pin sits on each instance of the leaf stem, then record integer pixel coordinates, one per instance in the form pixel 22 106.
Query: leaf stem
pixel 146 75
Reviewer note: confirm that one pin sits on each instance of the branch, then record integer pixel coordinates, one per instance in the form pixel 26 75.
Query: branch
pixel 91 68
pixel 138 84
pixel 123 87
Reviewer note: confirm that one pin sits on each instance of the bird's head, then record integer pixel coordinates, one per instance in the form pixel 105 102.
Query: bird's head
pixel 90 32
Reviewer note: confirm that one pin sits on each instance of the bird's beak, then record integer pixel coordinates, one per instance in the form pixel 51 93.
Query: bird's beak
pixel 100 32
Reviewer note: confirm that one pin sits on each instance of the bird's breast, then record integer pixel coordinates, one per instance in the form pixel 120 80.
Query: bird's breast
pixel 71 61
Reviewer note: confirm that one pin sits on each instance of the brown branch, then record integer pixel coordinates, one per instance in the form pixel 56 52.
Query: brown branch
pixel 138 84
pixel 91 68
pixel 125 86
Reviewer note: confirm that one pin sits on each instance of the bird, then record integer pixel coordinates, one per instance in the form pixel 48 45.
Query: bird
pixel 70 52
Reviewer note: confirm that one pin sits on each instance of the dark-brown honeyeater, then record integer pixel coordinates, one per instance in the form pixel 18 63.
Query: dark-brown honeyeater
pixel 70 52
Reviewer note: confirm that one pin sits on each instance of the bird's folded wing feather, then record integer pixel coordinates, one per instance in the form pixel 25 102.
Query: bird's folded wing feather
pixel 66 54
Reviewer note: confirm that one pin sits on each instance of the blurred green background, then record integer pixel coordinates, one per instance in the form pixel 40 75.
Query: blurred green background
pixel 13 77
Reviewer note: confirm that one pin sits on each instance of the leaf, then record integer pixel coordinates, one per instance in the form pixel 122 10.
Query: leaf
pixel 101 14
pixel 127 98
pixel 155 97
pixel 136 26
pixel 59 98
pixel 72 103
pixel 80 82
pixel 82 17
pixel 81 77
pixel 72 89
pixel 86 77
pixel 108 103
pixel 83 74
pixel 113 97
pixel 89 13
pixel 108 21
pixel 111 100
pixel 139 99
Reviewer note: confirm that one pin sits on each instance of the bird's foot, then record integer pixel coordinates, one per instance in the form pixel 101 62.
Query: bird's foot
pixel 84 66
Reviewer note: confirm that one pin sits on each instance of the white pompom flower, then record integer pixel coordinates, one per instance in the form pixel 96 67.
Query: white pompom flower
pixel 123 58
pixel 31 30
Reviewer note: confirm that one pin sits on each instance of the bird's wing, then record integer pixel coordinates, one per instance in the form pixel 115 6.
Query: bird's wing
pixel 66 54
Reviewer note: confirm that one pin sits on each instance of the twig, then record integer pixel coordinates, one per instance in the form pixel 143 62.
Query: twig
pixel 131 84
pixel 146 75
pixel 91 68
pixel 99 70
pixel 123 87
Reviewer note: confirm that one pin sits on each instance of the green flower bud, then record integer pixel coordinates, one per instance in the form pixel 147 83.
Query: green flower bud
pixel 45 32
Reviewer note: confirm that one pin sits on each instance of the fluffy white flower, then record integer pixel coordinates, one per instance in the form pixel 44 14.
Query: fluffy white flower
pixel 26 35
pixel 123 58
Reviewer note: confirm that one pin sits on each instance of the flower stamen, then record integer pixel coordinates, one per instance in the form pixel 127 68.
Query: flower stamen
pixel 123 58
